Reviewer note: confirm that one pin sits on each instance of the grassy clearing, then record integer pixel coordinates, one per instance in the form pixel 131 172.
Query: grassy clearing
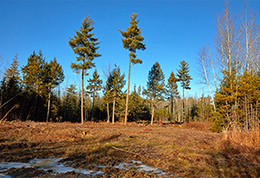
pixel 187 150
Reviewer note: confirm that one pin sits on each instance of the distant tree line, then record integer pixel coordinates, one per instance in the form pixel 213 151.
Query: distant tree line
pixel 35 95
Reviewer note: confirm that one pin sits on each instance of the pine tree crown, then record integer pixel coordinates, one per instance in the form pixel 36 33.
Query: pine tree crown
pixel 132 39
pixel 85 46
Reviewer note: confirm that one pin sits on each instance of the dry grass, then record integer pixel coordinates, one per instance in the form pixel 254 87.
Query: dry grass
pixel 187 150
pixel 241 152
pixel 202 126
pixel 244 141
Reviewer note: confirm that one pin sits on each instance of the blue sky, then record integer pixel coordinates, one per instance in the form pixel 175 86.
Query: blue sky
pixel 173 31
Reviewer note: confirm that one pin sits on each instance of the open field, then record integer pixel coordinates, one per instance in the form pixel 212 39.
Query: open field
pixel 187 150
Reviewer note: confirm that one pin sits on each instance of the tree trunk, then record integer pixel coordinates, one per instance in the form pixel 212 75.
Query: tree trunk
pixel 92 114
pixel 152 115
pixel 256 114
pixel 203 108
pixel 128 85
pixel 82 95
pixel 171 107
pixel 32 108
pixel 183 111
pixel 85 111
pixel 113 115
pixel 175 114
pixel 107 112
pixel 246 122
pixel 49 103
pixel 7 113
pixel 204 66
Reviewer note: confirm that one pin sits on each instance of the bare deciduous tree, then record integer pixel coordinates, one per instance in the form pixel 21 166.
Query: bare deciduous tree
pixel 207 65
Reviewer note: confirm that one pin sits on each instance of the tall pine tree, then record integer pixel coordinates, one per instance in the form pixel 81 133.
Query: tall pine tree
pixel 132 40
pixel 53 76
pixel 84 45
pixel 172 91
pixel 115 84
pixel 155 86
pixel 184 78
pixel 33 80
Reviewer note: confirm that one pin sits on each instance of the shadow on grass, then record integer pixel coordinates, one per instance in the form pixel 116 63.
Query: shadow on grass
pixel 232 163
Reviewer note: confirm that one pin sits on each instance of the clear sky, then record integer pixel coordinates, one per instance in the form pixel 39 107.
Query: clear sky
pixel 173 31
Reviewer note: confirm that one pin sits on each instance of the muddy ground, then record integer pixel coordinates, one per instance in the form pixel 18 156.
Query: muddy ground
pixel 189 150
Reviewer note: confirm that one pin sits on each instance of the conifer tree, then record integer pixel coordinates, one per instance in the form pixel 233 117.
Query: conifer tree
pixel 33 72
pixel 155 86
pixel 84 45
pixel 12 71
pixel 184 78
pixel 94 85
pixel 11 83
pixel 172 90
pixel 33 77
pixel 115 84
pixel 137 108
pixel 11 91
pixel 53 76
pixel 225 101
pixel 132 41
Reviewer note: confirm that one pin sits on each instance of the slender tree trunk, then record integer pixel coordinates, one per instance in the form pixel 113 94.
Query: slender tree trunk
pixel 207 80
pixel 107 112
pixel 113 115
pixel 246 122
pixel 252 116
pixel 82 95
pixel 32 108
pixel 214 74
pixel 183 111
pixel 7 113
pixel 175 110
pixel 36 103
pixel 152 114
pixel 9 100
pixel 171 107
pixel 203 108
pixel 256 114
pixel 49 103
pixel 85 111
pixel 128 85
pixel 29 114
pixel 92 114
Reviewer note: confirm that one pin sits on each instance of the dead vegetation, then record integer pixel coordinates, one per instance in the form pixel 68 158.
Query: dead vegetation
pixel 187 150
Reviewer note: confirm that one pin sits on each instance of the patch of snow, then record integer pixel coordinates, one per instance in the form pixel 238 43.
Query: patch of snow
pixel 48 164
pixel 5 176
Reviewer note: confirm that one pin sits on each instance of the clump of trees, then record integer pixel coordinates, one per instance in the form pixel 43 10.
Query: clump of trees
pixel 237 53
pixel 32 92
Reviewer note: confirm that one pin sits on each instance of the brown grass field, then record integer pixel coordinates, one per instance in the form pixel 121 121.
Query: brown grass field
pixel 187 150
